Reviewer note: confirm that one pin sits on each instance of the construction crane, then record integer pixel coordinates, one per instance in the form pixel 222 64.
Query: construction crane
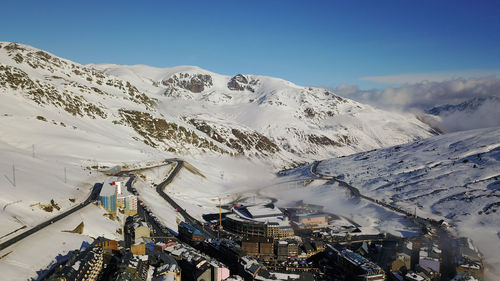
pixel 220 214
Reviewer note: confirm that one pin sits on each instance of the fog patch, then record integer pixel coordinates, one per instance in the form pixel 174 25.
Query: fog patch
pixel 420 97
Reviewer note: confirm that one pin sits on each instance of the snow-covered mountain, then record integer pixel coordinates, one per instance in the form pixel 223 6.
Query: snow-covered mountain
pixel 468 106
pixel 455 177
pixel 188 110
pixel 478 112
pixel 259 115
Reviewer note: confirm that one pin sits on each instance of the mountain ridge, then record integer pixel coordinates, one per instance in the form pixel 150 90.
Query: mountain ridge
pixel 198 111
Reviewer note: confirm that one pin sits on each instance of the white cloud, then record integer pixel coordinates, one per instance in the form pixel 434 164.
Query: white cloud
pixel 413 78
pixel 487 115
pixel 425 95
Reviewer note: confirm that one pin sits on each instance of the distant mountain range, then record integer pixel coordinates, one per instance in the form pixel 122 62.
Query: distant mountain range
pixel 468 106
pixel 189 110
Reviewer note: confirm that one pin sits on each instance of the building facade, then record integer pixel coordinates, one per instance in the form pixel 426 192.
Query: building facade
pixel 108 196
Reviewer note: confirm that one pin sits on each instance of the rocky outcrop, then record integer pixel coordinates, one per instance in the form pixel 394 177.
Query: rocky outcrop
pixel 194 83
pixel 239 83
pixel 244 142
pixel 45 93
pixel 158 130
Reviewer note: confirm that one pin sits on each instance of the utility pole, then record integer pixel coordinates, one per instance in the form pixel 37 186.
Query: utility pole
pixel 14 174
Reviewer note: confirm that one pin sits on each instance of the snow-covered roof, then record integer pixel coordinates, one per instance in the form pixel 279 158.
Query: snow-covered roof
pixel 414 276
pixel 108 189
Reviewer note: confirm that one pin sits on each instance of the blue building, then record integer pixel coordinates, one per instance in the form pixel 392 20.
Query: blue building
pixel 108 197
pixel 190 233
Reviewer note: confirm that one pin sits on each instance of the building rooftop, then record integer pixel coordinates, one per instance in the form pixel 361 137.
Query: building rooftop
pixel 257 239
pixel 414 276
pixel 259 215
pixel 308 216
pixel 108 188
pixel 190 228
pixel 367 266
pixel 258 211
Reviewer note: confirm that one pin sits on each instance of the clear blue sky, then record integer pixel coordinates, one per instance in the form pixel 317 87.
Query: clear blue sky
pixel 307 42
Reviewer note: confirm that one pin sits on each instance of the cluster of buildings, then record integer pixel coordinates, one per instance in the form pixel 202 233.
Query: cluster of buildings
pixel 113 197
pixel 139 258
pixel 422 260
pixel 259 243
pixel 83 264
pixel 108 260
pixel 417 260
pixel 196 266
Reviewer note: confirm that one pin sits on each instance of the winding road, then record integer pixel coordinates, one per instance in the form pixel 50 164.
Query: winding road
pixel 94 195
pixel 355 192
pixel 189 219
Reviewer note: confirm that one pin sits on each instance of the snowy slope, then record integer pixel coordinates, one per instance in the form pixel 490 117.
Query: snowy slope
pixel 281 120
pixel 455 177
pixel 188 110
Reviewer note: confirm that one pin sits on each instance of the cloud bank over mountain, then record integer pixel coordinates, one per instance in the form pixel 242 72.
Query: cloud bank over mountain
pixel 423 96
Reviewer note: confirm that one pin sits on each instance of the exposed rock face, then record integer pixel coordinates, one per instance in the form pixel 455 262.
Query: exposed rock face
pixel 194 83
pixel 310 113
pixel 239 83
pixel 237 139
pixel 158 130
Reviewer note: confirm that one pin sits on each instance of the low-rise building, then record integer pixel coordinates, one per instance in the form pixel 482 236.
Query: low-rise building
pixel 109 245
pixel 403 259
pixel 169 270
pixel 190 233
pixel 282 250
pixel 468 259
pixel 293 248
pixel 355 266
pixel 319 245
pixel 138 249
pixel 141 230
pixel 313 220
pixel 257 246
pixel 253 270
pixel 128 202
pixel 196 266
pixel 132 268
pixel 430 256
pixel 125 200
pixel 308 248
